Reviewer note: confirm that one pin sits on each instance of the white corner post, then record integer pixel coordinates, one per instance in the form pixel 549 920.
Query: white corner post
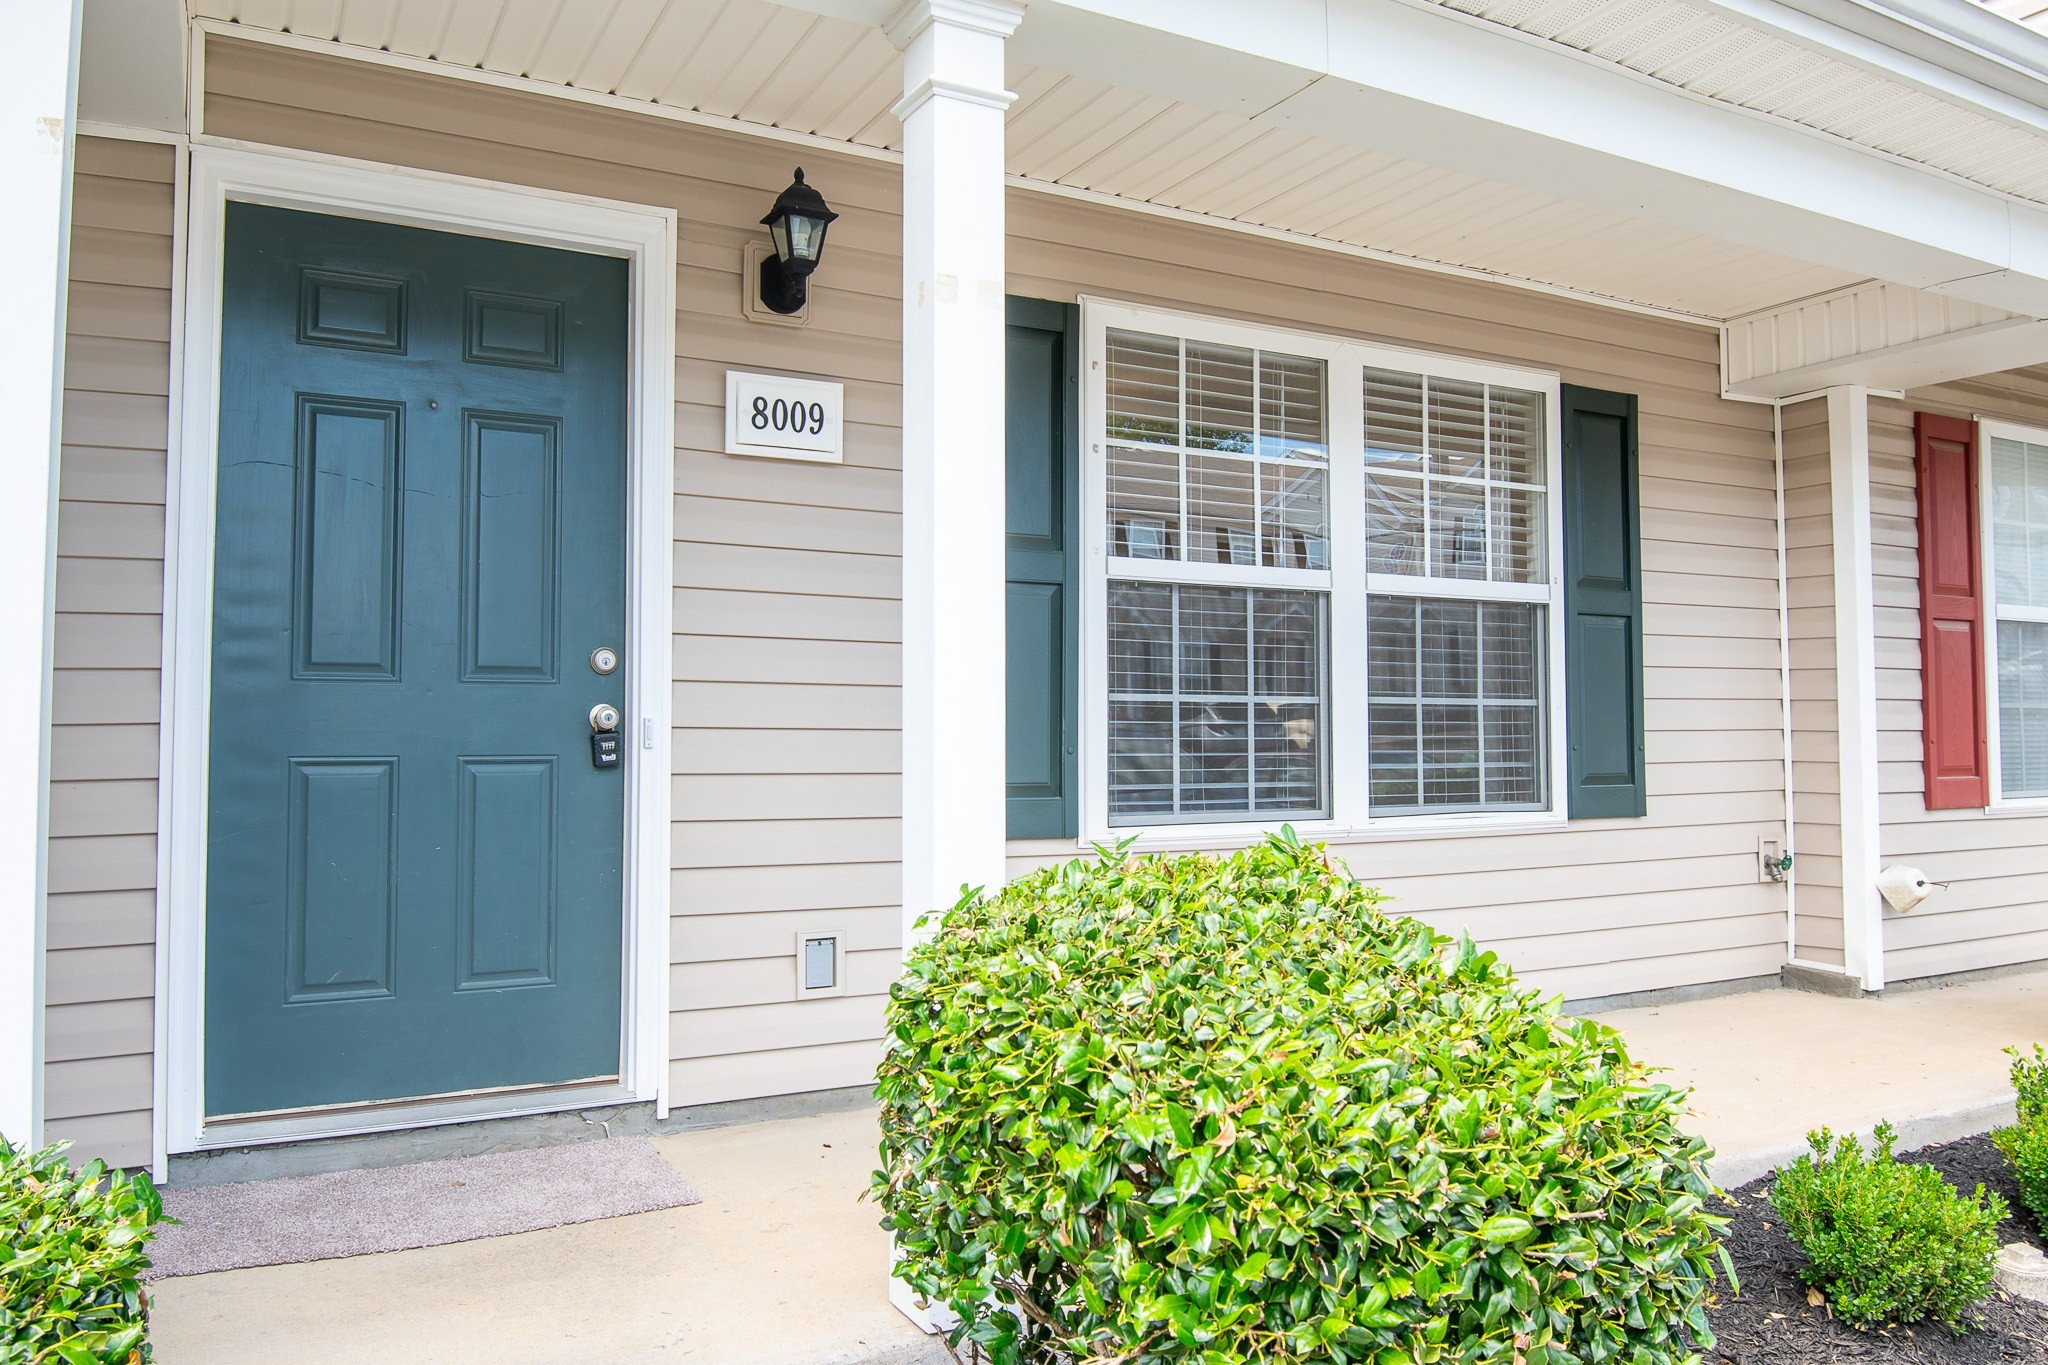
pixel 38 93
pixel 953 429
pixel 954 590
pixel 1855 682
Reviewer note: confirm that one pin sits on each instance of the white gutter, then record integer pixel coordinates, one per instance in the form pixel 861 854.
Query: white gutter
pixel 1961 34
pixel 1955 50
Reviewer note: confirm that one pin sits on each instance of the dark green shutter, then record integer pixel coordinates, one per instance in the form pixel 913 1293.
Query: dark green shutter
pixel 1043 471
pixel 1603 603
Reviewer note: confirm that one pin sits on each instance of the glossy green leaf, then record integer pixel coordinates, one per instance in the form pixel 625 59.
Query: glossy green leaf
pixel 1192 1110
pixel 73 1244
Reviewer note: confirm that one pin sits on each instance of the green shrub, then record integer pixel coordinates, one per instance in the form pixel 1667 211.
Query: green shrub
pixel 1211 1110
pixel 2025 1144
pixel 72 1244
pixel 1887 1241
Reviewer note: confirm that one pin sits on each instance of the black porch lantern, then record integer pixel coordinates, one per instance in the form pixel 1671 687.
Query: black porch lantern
pixel 797 224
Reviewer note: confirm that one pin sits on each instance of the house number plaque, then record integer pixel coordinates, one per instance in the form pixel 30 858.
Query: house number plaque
pixel 776 418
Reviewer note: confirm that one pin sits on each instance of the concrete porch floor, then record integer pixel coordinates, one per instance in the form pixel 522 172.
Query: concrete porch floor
pixel 782 1264
pixel 1767 1066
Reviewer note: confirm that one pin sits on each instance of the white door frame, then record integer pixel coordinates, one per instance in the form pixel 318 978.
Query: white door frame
pixel 645 237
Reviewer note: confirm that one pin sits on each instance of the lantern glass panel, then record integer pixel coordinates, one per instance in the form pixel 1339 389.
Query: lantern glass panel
pixel 806 235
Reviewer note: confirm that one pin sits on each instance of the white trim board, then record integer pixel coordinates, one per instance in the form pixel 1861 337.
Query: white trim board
pixel 37 108
pixel 646 238
pixel 167 716
pixel 124 132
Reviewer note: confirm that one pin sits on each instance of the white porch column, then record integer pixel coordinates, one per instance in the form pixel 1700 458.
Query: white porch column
pixel 1855 682
pixel 953 430
pixel 38 91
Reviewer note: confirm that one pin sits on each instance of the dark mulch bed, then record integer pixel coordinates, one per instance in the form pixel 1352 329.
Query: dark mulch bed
pixel 1771 1323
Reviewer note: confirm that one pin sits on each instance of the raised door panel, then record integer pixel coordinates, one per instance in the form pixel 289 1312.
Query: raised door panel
pixel 346 571
pixel 342 829
pixel 511 477
pixel 508 893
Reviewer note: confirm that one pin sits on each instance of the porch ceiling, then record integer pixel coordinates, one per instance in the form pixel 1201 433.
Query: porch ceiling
pixel 761 63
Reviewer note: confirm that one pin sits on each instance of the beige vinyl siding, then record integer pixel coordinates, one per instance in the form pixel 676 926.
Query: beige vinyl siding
pixel 1994 910
pixel 786 575
pixel 1599 906
pixel 102 918
pixel 786 654
pixel 1810 626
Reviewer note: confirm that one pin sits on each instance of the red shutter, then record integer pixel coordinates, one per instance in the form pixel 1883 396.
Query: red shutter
pixel 1951 613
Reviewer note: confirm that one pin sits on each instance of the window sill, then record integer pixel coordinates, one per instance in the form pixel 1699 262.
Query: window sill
pixel 2016 808
pixel 1394 829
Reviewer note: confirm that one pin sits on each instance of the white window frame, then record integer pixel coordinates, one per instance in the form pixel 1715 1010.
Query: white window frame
pixel 1988 430
pixel 1345 707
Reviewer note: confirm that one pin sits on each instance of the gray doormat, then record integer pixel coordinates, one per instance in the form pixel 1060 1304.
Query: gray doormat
pixel 430 1203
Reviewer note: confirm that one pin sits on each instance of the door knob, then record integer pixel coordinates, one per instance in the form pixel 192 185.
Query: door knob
pixel 604 717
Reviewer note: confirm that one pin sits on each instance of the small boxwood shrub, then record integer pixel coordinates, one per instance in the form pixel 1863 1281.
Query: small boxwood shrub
pixel 1212 1110
pixel 2025 1144
pixel 1886 1241
pixel 72 1246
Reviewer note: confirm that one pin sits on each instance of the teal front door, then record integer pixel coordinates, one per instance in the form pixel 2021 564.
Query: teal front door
pixel 414 867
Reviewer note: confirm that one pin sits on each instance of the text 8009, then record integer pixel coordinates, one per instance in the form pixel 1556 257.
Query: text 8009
pixel 788 415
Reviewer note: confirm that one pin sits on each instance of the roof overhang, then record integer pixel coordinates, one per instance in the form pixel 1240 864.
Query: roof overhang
pixel 1430 84
pixel 1395 128
pixel 1878 336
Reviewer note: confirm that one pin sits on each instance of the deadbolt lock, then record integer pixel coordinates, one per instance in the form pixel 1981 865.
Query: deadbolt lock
pixel 603 660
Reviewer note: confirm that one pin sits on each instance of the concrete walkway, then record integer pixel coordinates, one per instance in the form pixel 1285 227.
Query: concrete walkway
pixel 1766 1067
pixel 782 1264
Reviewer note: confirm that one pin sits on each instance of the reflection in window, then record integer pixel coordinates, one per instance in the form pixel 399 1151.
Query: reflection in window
pixel 1454 492
pixel 1454 476
pixel 1457 717
pixel 1217 454
pixel 1224 585
pixel 1214 702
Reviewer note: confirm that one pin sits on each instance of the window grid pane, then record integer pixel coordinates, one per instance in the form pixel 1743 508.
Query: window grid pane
pixel 1215 704
pixel 2023 708
pixel 1457 719
pixel 1454 479
pixel 1218 454
pixel 2019 572
pixel 2019 522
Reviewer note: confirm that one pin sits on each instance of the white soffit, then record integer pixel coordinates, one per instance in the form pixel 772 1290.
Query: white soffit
pixel 746 59
pixel 1712 55
pixel 762 63
pixel 1079 134
pixel 1882 336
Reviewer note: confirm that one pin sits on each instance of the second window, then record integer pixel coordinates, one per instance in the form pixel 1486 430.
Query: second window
pixel 1282 573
